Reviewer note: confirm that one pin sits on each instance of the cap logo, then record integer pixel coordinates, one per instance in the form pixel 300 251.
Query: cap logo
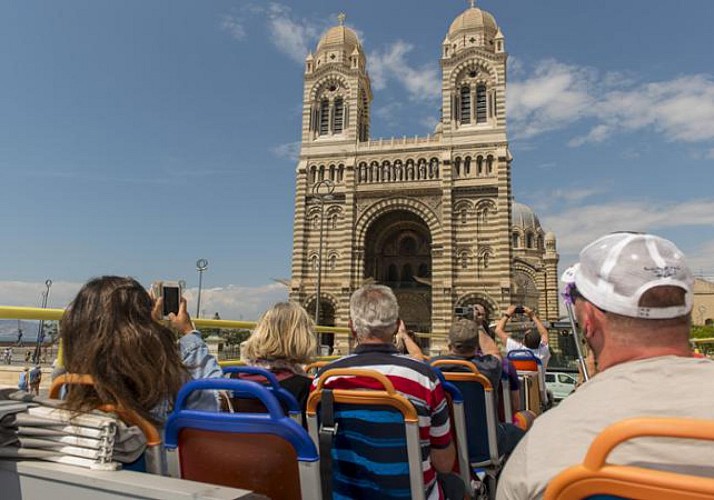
pixel 664 272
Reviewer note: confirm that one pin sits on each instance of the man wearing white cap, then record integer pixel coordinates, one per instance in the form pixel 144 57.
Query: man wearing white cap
pixel 632 295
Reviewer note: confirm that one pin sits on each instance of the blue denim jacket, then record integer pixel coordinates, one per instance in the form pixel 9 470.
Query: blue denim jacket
pixel 200 364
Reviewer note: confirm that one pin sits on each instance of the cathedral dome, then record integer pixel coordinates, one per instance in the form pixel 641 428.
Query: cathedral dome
pixel 524 218
pixel 472 20
pixel 340 36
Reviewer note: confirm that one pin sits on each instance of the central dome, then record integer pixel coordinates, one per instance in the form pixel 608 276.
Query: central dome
pixel 339 36
pixel 473 19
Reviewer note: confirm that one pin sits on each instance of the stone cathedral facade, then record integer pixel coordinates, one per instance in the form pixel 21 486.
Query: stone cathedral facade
pixel 431 217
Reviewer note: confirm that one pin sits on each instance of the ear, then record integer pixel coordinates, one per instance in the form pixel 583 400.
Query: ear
pixel 352 330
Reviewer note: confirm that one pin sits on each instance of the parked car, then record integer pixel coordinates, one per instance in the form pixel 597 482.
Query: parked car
pixel 560 384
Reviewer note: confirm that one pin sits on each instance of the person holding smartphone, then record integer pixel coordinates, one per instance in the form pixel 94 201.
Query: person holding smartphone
pixel 536 342
pixel 114 331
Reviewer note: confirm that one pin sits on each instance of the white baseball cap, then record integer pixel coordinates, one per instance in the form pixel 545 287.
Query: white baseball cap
pixel 616 270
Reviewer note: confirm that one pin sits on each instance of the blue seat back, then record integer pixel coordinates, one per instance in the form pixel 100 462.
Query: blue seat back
pixel 287 401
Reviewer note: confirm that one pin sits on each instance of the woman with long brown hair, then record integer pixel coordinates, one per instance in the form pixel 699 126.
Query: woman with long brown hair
pixel 111 331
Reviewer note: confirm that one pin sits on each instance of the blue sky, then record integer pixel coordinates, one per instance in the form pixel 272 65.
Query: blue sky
pixel 136 137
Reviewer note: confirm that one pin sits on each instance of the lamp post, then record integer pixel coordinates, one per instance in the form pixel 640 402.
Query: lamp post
pixel 41 327
pixel 322 192
pixel 201 265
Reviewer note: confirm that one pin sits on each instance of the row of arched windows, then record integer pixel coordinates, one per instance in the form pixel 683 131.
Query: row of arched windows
pixel 333 172
pixel 410 170
pixel 483 260
pixel 530 240
pixel 481 166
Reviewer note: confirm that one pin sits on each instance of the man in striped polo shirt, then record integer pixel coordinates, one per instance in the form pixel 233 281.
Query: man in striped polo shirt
pixel 367 461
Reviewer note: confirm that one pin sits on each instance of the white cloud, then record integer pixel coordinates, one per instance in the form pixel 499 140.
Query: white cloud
pixel 421 83
pixel 291 36
pixel 290 150
pixel 577 227
pixel 556 95
pixel 231 302
pixel 233 25
pixel 237 302
pixel 710 154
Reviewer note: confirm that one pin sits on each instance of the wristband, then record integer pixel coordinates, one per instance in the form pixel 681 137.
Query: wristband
pixel 504 315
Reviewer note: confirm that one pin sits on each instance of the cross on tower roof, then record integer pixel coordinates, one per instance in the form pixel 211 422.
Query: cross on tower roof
pixel 341 18
pixel 472 3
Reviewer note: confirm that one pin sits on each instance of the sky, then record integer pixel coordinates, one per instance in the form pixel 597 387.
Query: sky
pixel 137 137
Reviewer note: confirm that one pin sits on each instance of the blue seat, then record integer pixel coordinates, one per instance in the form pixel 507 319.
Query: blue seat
pixel 286 399
pixel 268 453
pixel 480 413
pixel 532 374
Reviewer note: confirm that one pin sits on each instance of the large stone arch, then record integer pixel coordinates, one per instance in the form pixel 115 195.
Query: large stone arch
pixel 379 208
pixel 397 240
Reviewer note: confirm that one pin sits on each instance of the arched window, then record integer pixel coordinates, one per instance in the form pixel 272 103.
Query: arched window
pixel 467 166
pixel 479 166
pixel 423 270
pixel 324 117
pixel 332 262
pixel 529 240
pixel 332 173
pixel 321 175
pixel 340 172
pixel 457 166
pixel 313 174
pixel 516 240
pixel 481 109
pixel 465 109
pixel 392 273
pixel 486 258
pixel 338 116
pixel 407 273
pixel 489 165
pixel 407 246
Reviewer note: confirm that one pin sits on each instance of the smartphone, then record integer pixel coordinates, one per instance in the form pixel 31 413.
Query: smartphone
pixel 171 292
pixel 519 310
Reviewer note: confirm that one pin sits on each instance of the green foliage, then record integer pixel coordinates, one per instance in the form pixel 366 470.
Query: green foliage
pixel 235 336
pixel 702 332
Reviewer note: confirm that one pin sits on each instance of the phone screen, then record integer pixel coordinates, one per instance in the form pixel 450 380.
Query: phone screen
pixel 171 300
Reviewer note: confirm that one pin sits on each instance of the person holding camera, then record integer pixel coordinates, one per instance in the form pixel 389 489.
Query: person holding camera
pixel 536 342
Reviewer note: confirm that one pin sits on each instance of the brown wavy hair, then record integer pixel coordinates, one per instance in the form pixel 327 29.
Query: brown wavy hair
pixel 108 332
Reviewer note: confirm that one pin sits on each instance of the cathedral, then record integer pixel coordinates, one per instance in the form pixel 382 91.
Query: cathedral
pixel 431 217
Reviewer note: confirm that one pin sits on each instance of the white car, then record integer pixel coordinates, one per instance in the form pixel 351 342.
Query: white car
pixel 560 384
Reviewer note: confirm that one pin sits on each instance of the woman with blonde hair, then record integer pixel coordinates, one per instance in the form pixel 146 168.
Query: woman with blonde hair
pixel 283 341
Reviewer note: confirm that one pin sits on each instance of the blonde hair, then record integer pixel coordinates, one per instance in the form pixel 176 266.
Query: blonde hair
pixel 284 332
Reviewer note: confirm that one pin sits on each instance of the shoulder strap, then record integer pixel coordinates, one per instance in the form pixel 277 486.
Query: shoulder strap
pixel 326 435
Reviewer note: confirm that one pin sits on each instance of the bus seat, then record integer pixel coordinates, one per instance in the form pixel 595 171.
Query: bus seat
pixel 457 417
pixel 314 367
pixel 153 459
pixel 267 453
pixel 290 405
pixel 365 419
pixel 595 478
pixel 532 374
pixel 481 414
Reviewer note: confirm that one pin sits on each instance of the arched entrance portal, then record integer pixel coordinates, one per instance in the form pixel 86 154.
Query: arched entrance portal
pixel 398 254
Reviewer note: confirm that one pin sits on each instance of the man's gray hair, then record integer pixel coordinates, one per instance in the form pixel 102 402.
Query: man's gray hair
pixel 374 312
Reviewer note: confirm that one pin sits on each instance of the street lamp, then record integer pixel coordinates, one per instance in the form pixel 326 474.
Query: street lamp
pixel 201 265
pixel 41 328
pixel 322 192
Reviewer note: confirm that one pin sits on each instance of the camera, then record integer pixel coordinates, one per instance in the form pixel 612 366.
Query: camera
pixel 519 310
pixel 171 292
pixel 464 312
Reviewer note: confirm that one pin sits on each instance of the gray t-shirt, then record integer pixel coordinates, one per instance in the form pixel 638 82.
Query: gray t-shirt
pixel 667 386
